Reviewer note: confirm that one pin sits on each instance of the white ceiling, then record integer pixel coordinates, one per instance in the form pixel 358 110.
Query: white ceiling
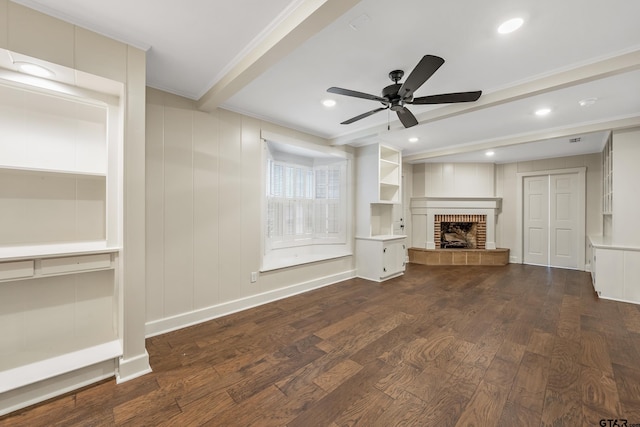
pixel 274 60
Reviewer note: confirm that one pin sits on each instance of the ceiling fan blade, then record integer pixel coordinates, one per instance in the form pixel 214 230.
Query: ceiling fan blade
pixel 447 98
pixel 362 116
pixel 356 94
pixel 428 65
pixel 407 118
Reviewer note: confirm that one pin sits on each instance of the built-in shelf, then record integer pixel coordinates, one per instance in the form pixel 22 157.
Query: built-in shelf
pixel 11 253
pixel 24 371
pixel 53 172
pixel 61 200
pixel 380 254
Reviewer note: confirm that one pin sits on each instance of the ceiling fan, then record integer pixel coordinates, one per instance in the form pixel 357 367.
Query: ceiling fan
pixel 395 96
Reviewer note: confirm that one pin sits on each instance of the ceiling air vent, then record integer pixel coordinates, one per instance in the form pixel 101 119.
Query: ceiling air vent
pixel 574 140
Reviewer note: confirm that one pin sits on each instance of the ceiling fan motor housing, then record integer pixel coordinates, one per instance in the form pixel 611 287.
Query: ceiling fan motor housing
pixel 391 93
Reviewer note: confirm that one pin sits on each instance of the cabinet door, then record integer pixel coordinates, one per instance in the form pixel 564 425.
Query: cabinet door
pixel 393 258
pixel 609 273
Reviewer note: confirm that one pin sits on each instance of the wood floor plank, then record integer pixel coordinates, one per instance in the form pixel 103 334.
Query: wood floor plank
pixel 564 370
pixel 445 409
pixel 450 357
pixel 595 351
pixel 562 408
pixel 518 415
pixel 529 385
pixel 402 376
pixel 485 407
pixel 327 409
pixel 366 411
pixel 429 384
pixel 329 380
pixel 628 384
pixel 406 410
pixel 453 345
pixel 599 392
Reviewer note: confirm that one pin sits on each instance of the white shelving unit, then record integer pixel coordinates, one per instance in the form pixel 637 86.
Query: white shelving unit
pixel 60 232
pixel 380 254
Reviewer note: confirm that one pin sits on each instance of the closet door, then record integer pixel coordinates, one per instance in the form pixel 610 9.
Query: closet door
pixel 563 220
pixel 536 220
pixel 551 211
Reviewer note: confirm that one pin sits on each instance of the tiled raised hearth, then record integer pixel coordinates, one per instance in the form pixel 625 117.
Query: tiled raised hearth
pixel 459 256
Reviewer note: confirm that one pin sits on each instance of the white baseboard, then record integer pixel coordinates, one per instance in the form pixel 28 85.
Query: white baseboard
pixel 34 393
pixel 619 300
pixel 161 326
pixel 134 367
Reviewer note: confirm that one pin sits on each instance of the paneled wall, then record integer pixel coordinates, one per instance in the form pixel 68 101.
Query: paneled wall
pixel 204 187
pixel 453 180
pixel 506 187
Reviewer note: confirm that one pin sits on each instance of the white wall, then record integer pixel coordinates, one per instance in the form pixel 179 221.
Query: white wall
pixel 626 177
pixel 204 187
pixel 506 187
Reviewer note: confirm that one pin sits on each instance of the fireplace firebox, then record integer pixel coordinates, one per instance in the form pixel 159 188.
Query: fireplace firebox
pixel 460 231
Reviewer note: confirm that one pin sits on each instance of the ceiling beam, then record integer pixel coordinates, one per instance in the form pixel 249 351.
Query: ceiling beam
pixel 619 64
pixel 560 132
pixel 306 20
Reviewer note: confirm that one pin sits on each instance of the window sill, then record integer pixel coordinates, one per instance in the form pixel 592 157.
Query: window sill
pixel 284 258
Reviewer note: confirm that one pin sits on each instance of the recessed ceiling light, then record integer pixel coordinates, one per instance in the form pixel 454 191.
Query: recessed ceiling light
pixel 510 26
pixel 543 111
pixel 413 139
pixel 329 103
pixel 587 102
pixel 34 69
pixel 489 153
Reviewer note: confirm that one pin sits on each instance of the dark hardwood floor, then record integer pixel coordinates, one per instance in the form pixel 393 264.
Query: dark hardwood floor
pixel 508 345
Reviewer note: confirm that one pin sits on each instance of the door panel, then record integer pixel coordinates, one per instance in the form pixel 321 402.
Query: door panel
pixel 536 220
pixel 563 244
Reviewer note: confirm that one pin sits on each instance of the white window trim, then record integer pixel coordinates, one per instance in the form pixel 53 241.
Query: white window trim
pixel 313 251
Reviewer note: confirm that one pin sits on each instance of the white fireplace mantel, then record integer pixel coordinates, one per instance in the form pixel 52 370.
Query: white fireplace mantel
pixel 424 209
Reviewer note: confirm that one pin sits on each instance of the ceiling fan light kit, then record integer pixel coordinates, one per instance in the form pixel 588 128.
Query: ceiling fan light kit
pixel 396 96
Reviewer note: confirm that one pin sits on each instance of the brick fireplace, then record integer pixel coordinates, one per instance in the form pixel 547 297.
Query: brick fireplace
pixel 429 213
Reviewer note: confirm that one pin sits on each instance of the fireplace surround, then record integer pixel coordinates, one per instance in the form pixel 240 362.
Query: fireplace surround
pixel 428 213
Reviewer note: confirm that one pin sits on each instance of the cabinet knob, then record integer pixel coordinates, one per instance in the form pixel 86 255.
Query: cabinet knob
pixel 384 250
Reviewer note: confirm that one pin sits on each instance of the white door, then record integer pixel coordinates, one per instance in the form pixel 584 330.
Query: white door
pixel 536 220
pixel 550 220
pixel 563 220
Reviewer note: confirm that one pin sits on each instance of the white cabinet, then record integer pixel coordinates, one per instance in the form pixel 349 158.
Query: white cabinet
pixel 60 232
pixel 615 270
pixel 380 258
pixel 380 254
